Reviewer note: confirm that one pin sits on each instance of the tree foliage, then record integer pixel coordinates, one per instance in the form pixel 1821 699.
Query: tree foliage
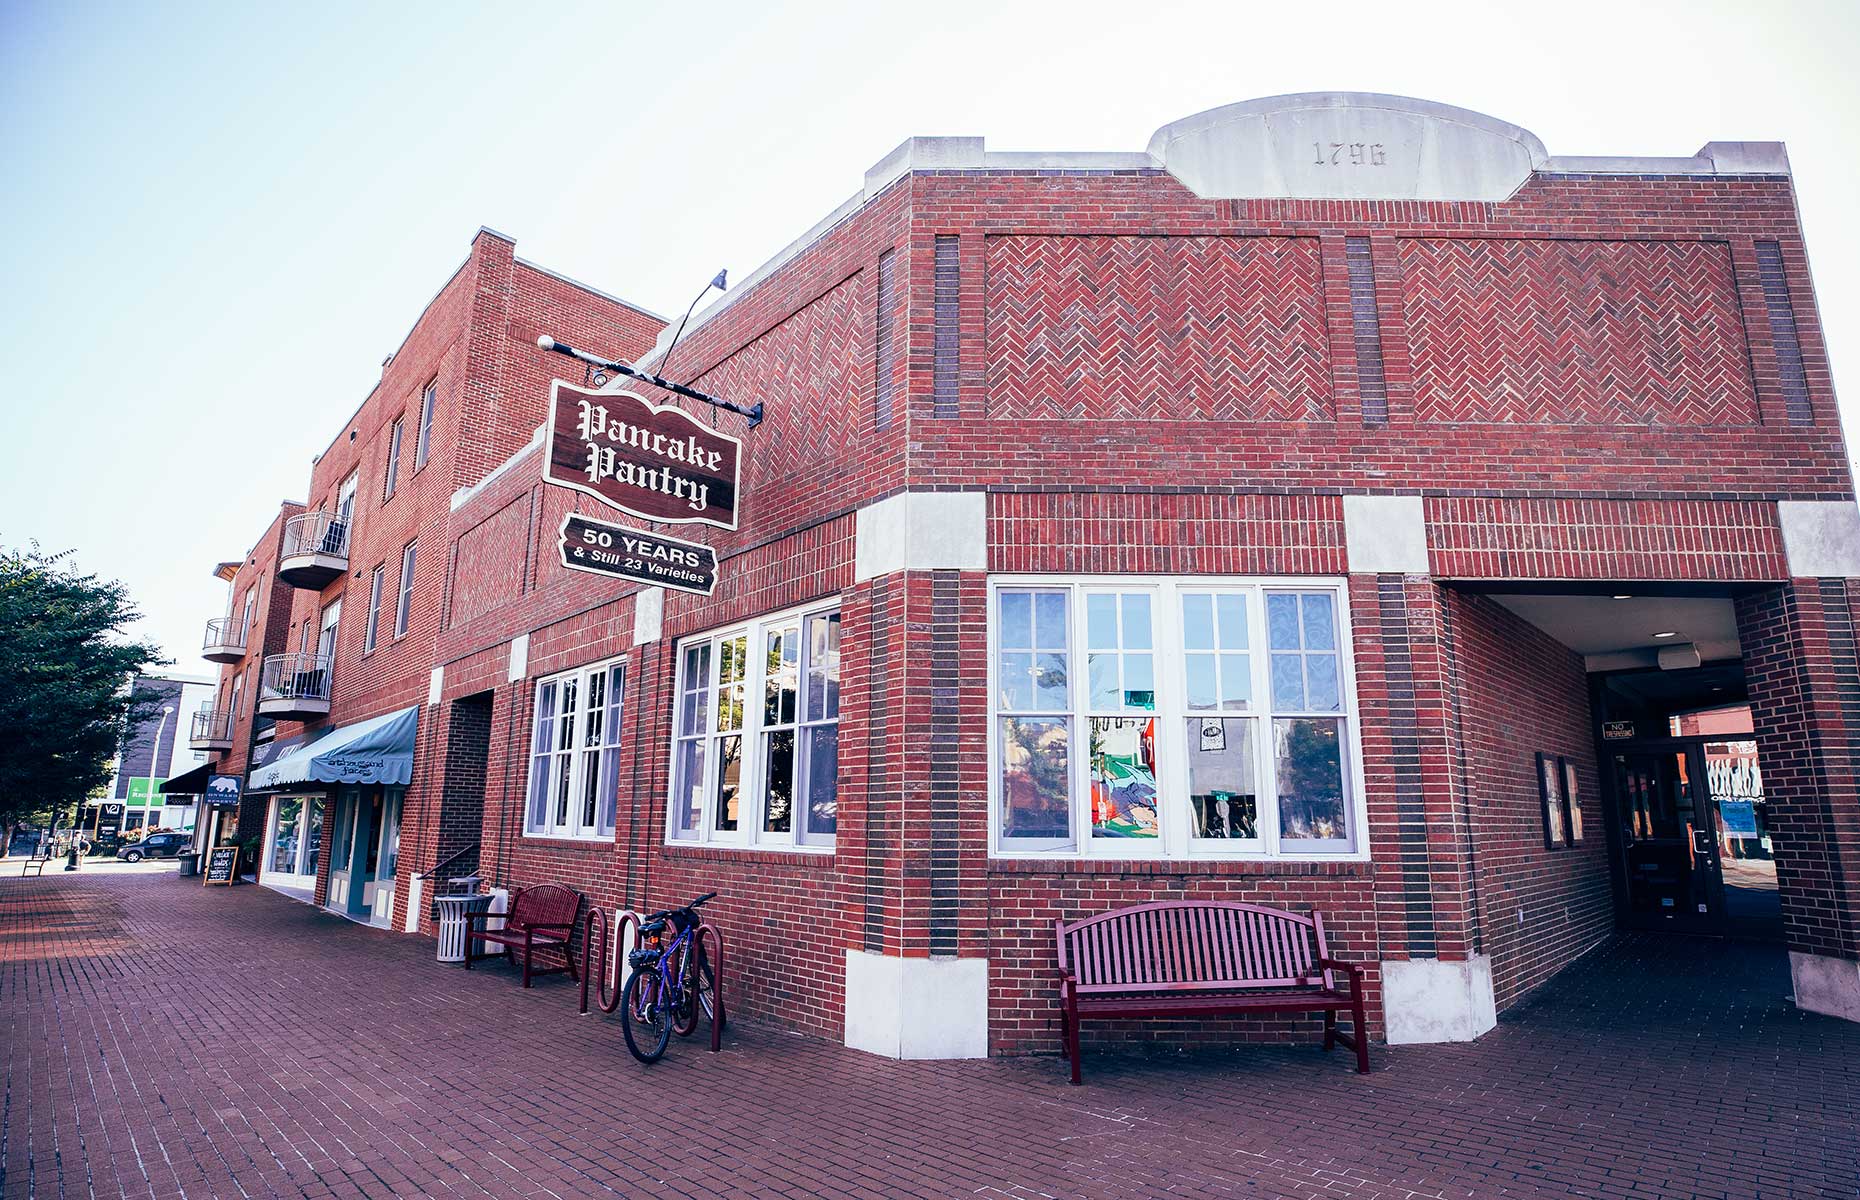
pixel 65 663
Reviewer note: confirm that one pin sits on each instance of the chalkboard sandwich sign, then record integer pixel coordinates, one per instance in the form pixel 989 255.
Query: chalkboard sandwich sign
pixel 222 866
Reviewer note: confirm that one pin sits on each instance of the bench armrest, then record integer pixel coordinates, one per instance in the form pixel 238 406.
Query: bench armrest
pixel 483 916
pixel 1354 971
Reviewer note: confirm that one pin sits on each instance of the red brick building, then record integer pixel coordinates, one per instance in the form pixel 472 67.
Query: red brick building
pixel 1341 504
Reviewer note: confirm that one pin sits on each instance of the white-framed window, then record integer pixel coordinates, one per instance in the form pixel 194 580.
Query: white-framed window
pixel 393 460
pixel 403 607
pixel 755 745
pixel 423 437
pixel 245 620
pixel 1172 717
pixel 575 752
pixel 370 634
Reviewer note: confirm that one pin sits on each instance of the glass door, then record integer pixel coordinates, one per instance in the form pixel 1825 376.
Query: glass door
pixel 341 850
pixel 1669 839
pixel 383 856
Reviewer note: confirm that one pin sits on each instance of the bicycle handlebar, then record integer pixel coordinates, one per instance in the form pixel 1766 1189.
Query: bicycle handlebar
pixel 667 912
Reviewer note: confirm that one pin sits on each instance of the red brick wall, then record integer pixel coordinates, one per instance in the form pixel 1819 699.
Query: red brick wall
pixel 1519 691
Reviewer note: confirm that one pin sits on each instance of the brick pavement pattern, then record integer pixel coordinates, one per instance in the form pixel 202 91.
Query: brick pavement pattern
pixel 159 1040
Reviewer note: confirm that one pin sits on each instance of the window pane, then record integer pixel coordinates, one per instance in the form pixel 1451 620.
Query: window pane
pixel 1049 683
pixel 1221 790
pixel 1101 670
pixel 695 719
pixel 1140 681
pixel 1016 681
pixel 823 766
pixel 1320 621
pixel 610 790
pixel 539 792
pixel 1017 620
pixel 1123 778
pixel 1049 620
pixel 1234 633
pixel 823 667
pixel 1288 681
pixel 1101 622
pixel 1308 765
pixel 778 782
pixel 1137 621
pixel 560 764
pixel 1236 682
pixel 688 791
pixel 781 677
pixel 1198 621
pixel 313 836
pixel 1035 778
pixel 1202 691
pixel 284 837
pixel 545 713
pixel 729 782
pixel 1282 621
pixel 590 788
pixel 1324 694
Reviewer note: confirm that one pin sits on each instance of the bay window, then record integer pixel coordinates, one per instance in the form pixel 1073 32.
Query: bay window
pixel 575 753
pixel 755 748
pixel 1145 718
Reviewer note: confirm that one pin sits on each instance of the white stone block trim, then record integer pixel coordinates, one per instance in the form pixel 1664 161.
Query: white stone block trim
pixel 519 664
pixel 1821 538
pixel 436 685
pixel 1826 985
pixel 921 531
pixel 917 1007
pixel 648 615
pixel 416 895
pixel 1385 534
pixel 1430 1000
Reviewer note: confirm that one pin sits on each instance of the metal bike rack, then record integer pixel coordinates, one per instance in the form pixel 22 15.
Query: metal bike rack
pixel 611 978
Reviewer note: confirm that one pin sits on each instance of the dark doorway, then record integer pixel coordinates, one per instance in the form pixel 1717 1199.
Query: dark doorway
pixel 1687 823
pixel 461 803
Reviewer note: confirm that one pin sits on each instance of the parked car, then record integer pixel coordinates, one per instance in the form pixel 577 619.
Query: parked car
pixel 155 845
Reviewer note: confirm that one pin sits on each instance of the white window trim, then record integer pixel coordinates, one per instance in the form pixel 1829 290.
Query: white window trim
pixel 403 598
pixel 1175 844
pixel 749 834
pixel 575 831
pixel 371 637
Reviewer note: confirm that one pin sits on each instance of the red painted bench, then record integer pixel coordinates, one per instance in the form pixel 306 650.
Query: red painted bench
pixel 1204 958
pixel 541 919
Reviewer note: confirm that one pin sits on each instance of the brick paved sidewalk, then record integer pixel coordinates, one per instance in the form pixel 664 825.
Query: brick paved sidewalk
pixel 159 1040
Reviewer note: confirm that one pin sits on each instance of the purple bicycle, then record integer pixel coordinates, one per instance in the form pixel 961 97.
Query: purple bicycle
pixel 671 984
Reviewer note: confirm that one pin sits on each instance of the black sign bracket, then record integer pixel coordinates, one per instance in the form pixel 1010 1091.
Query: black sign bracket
pixel 616 367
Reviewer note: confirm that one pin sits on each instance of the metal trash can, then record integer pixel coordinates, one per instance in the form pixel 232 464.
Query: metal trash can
pixel 190 862
pixel 452 913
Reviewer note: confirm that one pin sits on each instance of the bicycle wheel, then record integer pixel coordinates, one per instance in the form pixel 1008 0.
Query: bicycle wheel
pixel 647 1023
pixel 698 1001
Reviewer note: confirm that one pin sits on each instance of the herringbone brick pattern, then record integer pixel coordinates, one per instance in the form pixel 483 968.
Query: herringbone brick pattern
pixel 1575 332
pixel 812 372
pixel 1221 328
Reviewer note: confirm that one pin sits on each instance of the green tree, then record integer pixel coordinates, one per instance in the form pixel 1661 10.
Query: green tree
pixel 65 662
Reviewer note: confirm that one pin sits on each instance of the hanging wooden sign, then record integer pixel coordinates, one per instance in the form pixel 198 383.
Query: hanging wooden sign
pixel 614 550
pixel 657 463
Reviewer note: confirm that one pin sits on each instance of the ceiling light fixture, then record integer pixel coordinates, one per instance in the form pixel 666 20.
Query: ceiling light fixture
pixel 1624 597
pixel 1667 633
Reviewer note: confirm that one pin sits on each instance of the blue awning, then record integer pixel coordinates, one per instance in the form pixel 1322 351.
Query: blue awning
pixel 378 750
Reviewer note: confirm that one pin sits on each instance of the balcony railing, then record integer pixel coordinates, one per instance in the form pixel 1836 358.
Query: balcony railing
pixel 225 640
pixel 315 550
pixel 212 730
pixel 294 686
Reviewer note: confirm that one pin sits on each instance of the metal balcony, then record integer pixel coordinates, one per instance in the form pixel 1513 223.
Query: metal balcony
pixel 315 550
pixel 225 640
pixel 294 687
pixel 212 730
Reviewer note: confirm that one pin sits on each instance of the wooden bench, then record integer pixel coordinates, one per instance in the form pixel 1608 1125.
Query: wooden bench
pixel 541 919
pixel 1204 958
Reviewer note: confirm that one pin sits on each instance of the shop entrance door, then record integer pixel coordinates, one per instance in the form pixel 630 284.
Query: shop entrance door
pixel 1669 838
pixel 364 853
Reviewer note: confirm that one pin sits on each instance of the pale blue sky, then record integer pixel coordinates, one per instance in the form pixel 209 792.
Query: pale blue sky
pixel 218 219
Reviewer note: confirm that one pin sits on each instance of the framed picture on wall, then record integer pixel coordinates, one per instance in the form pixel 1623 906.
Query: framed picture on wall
pixel 1550 791
pixel 1572 802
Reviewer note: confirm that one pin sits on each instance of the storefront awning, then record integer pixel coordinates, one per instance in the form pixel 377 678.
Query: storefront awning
pixel 192 783
pixel 378 750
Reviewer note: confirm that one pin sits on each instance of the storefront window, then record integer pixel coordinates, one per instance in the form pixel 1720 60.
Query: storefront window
pixel 574 756
pixel 294 842
pixel 286 830
pixel 1179 755
pixel 755 758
